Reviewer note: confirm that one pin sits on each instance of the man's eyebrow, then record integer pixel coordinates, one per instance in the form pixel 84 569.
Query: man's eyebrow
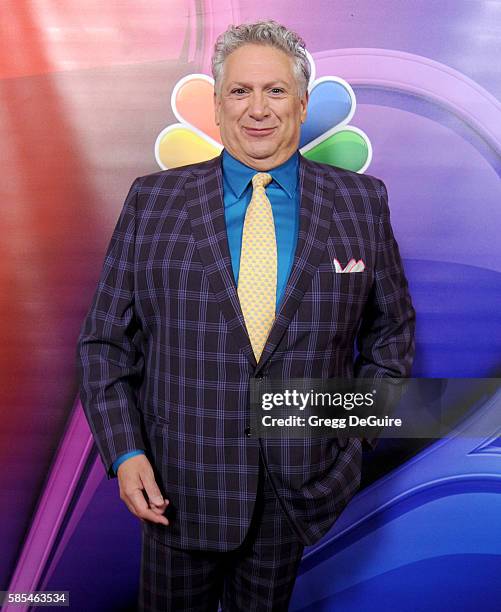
pixel 249 86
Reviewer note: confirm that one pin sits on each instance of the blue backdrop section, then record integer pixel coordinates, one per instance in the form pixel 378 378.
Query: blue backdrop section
pixel 458 333
pixel 399 537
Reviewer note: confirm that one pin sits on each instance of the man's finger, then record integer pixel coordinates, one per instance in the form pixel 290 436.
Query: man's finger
pixel 154 494
pixel 141 509
pixel 158 509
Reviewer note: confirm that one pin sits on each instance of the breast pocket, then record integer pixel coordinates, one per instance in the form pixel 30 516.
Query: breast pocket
pixel 344 287
pixel 335 301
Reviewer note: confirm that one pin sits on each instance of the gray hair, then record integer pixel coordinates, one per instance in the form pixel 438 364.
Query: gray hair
pixel 262 33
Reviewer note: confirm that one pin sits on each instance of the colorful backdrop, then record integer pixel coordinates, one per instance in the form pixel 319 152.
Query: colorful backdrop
pixel 86 95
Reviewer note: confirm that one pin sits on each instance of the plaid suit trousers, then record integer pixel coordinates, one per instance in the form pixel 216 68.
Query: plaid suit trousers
pixel 258 575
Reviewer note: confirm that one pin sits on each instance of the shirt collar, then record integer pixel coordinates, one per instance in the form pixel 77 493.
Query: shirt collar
pixel 238 175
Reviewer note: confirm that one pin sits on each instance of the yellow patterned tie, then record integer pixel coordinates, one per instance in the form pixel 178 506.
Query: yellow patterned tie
pixel 257 277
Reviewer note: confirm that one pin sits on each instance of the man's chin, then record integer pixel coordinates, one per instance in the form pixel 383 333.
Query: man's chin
pixel 261 155
pixel 258 147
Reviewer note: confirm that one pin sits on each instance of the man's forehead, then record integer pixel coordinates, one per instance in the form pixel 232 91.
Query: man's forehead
pixel 258 68
pixel 257 55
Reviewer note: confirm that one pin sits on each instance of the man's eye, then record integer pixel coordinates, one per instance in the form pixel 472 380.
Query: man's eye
pixel 277 90
pixel 238 91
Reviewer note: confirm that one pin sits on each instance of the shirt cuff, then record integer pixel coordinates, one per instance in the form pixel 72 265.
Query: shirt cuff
pixel 124 457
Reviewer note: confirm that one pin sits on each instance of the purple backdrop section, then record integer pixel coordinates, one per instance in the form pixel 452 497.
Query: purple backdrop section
pixel 462 34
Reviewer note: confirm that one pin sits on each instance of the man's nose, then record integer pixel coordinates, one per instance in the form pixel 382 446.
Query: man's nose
pixel 258 106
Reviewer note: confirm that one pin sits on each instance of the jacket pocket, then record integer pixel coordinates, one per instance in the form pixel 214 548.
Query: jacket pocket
pixel 156 421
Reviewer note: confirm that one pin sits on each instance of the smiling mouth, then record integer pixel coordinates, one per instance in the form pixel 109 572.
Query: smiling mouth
pixel 258 132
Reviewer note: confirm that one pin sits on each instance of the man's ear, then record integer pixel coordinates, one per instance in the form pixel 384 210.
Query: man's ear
pixel 304 106
pixel 217 105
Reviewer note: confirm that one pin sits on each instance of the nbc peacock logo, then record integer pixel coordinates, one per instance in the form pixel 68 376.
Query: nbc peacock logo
pixel 326 135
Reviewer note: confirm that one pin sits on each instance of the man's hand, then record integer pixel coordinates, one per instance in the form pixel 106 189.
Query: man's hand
pixel 135 475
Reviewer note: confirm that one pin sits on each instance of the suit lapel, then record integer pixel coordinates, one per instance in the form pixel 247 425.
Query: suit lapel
pixel 315 214
pixel 204 201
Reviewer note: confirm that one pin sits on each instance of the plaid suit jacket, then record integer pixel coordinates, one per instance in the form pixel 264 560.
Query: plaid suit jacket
pixel 165 360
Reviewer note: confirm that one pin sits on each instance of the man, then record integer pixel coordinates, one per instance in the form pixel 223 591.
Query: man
pixel 218 273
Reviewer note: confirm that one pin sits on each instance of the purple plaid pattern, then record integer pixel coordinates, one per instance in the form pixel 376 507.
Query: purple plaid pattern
pixel 165 360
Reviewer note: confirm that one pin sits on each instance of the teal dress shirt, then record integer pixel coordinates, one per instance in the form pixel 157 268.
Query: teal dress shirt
pixel 283 194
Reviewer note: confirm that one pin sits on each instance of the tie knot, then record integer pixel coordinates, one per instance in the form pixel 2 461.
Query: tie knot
pixel 261 179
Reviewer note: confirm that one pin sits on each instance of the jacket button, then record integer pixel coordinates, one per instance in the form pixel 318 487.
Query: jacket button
pixel 260 376
pixel 248 431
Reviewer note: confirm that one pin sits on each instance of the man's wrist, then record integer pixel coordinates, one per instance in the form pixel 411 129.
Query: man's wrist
pixel 124 457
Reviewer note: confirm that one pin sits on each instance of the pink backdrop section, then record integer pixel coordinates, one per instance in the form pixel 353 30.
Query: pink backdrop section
pixel 45 36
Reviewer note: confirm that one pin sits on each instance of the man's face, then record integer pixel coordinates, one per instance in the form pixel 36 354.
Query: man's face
pixel 258 109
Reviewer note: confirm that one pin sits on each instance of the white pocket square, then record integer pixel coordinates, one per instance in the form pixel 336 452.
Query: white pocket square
pixel 351 266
